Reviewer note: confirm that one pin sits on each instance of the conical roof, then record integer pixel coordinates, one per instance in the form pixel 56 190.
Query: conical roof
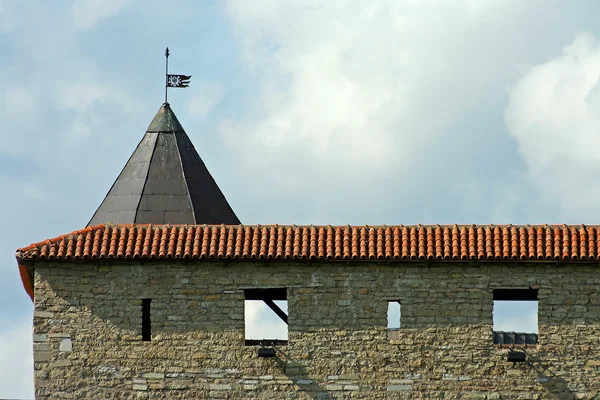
pixel 164 182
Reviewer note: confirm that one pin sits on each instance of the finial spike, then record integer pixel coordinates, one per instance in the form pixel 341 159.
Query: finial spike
pixel 166 73
pixel 181 81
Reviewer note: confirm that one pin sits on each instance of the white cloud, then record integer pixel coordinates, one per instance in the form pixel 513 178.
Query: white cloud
pixel 262 323
pixel 371 96
pixel 554 116
pixel 209 95
pixel 350 81
pixel 16 361
pixel 88 13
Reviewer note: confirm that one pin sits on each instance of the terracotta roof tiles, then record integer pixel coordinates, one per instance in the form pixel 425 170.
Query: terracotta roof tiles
pixel 244 242
pixel 343 243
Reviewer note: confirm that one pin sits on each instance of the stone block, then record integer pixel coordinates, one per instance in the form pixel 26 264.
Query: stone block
pixel 156 385
pixel 66 345
pixel 40 337
pixel 59 335
pixel 401 382
pixel 399 388
pixel 214 386
pixel 593 363
pixel 40 374
pixel 179 384
pixel 351 387
pixel 334 388
pixel 154 375
pixel 449 377
pixel 138 386
pixel 42 356
pixel 42 314
pixel 42 346
pixel 60 363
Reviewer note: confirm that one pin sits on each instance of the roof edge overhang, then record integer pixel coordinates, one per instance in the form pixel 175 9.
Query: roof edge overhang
pixel 26 279
pixel 427 244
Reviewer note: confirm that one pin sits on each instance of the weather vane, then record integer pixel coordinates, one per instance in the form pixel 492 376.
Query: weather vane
pixel 178 81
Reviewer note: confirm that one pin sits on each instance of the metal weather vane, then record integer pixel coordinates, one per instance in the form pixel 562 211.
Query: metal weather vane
pixel 177 81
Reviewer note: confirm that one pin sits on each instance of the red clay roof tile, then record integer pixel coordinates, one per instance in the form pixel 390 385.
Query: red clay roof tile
pixel 484 242
pixel 239 242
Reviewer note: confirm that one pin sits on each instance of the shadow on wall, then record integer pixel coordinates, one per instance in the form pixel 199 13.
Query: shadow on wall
pixel 297 372
pixel 556 386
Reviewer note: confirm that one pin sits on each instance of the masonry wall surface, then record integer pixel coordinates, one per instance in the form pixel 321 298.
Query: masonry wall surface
pixel 87 331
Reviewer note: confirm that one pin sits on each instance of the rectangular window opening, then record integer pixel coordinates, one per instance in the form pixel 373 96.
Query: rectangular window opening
pixel 265 317
pixel 146 323
pixel 393 318
pixel 515 317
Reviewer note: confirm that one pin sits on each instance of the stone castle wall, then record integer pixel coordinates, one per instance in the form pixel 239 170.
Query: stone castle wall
pixel 88 343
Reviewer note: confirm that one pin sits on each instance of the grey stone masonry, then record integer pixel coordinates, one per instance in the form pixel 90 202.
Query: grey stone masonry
pixel 88 342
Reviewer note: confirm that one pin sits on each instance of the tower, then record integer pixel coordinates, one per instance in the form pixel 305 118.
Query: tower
pixel 164 182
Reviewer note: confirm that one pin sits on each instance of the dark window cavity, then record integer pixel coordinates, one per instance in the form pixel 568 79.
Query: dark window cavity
pixel 146 323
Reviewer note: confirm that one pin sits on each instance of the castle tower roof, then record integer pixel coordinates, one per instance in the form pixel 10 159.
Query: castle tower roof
pixel 165 182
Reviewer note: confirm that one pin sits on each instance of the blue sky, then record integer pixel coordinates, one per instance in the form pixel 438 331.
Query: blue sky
pixel 306 111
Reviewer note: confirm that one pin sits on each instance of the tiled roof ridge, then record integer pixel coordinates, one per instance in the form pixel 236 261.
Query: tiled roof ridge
pixel 322 242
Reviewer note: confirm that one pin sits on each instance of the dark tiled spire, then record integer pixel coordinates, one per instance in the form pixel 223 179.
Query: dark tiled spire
pixel 165 182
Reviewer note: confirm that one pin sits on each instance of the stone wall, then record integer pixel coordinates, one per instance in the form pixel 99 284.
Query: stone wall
pixel 88 344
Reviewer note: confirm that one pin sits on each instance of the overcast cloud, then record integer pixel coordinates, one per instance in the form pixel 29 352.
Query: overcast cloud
pixel 323 112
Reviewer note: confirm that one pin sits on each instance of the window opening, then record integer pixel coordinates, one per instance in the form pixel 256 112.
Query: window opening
pixel 393 319
pixel 515 317
pixel 265 316
pixel 393 314
pixel 146 323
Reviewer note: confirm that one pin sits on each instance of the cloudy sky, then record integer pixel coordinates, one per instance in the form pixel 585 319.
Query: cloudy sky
pixel 305 111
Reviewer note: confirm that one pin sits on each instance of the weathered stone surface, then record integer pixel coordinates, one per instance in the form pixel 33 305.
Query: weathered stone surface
pixel 59 335
pixel 41 356
pixel 179 384
pixel 40 337
pixel 66 345
pixel 154 375
pixel 396 388
pixel 60 363
pixel 214 386
pixel 338 339
pixel 42 314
